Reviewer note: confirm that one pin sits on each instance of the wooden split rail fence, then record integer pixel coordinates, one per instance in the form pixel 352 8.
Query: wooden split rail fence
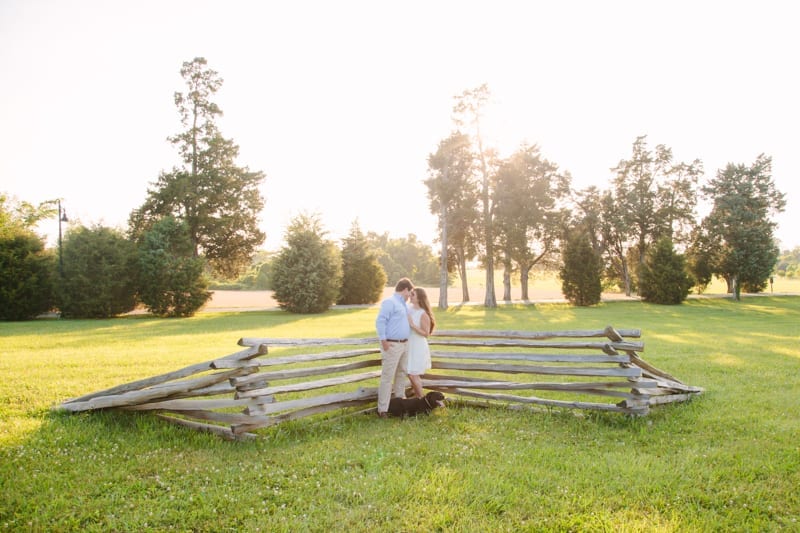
pixel 249 390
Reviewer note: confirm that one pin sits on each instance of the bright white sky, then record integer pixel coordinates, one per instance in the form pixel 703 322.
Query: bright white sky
pixel 340 103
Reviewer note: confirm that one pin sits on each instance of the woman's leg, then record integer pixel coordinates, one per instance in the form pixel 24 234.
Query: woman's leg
pixel 416 384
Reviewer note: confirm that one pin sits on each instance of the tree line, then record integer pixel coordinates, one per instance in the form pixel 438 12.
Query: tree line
pixel 101 272
pixel 522 212
pixel 200 221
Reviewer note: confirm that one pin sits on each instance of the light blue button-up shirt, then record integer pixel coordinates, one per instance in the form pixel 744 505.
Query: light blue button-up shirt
pixel 392 321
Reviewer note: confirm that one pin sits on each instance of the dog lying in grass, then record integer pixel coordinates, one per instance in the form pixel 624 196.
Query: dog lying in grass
pixel 403 407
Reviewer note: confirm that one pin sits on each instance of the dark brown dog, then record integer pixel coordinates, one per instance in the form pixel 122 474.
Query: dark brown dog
pixel 413 406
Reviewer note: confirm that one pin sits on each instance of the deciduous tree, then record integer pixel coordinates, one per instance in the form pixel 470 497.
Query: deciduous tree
pixel 15 214
pixel 406 257
pixel 453 192
pixel 739 230
pixel 469 109
pixel 654 196
pixel 530 215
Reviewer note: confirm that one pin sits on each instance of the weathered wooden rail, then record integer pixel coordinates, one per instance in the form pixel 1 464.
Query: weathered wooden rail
pixel 245 391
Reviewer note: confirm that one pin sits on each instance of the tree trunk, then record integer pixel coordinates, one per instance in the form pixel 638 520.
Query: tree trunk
pixel 641 247
pixel 491 299
pixel 524 273
pixel 506 280
pixel 619 263
pixel 443 266
pixel 462 272
pixel 626 278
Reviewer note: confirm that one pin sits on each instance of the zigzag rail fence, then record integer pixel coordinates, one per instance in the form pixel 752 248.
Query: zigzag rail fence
pixel 236 394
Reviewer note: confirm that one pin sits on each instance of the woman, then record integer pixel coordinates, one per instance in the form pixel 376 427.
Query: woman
pixel 420 318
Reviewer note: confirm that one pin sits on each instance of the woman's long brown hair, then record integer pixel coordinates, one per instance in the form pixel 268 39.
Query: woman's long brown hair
pixel 422 300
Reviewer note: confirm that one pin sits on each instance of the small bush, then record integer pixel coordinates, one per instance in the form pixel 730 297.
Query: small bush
pixel 171 281
pixel 363 277
pixel 581 272
pixel 664 279
pixel 307 273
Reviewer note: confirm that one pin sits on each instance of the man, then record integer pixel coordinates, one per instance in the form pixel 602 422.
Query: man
pixel 393 330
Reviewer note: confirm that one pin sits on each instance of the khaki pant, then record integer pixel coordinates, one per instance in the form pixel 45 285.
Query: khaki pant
pixel 393 364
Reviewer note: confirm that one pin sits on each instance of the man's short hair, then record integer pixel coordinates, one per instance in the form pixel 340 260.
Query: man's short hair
pixel 403 284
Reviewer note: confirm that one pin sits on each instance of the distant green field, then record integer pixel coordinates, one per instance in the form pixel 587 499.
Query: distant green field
pixel 549 281
pixel 727 461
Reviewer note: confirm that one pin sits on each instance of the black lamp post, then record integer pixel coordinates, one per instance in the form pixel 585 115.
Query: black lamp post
pixel 62 217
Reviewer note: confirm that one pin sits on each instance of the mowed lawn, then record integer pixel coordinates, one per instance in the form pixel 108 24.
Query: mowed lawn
pixel 727 461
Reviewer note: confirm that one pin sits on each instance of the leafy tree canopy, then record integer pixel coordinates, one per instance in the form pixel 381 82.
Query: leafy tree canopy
pixel 406 258
pixel 16 214
pixel 737 235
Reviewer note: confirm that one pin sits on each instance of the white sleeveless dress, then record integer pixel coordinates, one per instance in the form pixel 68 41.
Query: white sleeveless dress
pixel 419 353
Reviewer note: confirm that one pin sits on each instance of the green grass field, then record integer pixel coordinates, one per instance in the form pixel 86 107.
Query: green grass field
pixel 727 461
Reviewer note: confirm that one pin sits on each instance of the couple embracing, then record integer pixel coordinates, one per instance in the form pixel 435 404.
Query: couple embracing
pixel 404 322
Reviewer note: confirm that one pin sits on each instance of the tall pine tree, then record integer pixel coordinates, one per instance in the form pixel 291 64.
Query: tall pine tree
pixel 218 200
